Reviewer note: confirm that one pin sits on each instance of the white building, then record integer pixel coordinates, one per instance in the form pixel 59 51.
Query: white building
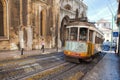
pixel 68 8
pixel 105 27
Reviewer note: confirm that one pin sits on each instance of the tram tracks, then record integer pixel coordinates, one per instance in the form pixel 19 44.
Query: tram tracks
pixel 9 73
pixel 29 74
pixel 49 68
pixel 67 72
pixel 14 64
pixel 62 73
pixel 30 59
pixel 47 72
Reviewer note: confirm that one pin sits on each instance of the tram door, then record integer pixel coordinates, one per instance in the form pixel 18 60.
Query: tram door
pixel 90 44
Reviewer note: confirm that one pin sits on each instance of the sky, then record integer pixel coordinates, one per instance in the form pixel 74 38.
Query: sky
pixel 98 9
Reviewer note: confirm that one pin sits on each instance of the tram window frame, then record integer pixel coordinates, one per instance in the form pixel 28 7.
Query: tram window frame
pixel 91 35
pixel 83 35
pixel 73 33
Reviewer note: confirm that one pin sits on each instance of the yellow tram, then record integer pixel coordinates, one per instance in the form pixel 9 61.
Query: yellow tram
pixel 83 40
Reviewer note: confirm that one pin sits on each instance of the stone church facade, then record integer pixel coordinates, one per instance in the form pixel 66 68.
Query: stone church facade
pixel 23 23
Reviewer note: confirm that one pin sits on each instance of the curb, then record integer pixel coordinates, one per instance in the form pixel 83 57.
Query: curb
pixel 17 55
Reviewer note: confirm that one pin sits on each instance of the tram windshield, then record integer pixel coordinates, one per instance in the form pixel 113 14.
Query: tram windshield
pixel 73 33
pixel 83 34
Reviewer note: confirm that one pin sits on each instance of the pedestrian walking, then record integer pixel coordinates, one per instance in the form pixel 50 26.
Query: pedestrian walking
pixel 21 41
pixel 115 49
pixel 43 45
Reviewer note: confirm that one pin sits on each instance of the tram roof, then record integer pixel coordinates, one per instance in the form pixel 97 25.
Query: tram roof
pixel 76 23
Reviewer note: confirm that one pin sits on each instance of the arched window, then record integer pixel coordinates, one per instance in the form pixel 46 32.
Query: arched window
pixel 68 7
pixel 1 20
pixel 4 23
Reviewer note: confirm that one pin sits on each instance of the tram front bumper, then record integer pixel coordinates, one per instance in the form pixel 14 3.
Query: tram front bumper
pixel 76 55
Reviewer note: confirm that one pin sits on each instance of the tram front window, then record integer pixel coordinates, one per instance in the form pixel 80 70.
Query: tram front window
pixel 73 33
pixel 83 34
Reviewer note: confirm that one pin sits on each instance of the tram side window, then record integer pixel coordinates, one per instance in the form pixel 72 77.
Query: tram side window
pixel 97 40
pixel 73 33
pixel 67 34
pixel 83 34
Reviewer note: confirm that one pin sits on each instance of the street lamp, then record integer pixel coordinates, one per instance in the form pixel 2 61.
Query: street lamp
pixel 112 34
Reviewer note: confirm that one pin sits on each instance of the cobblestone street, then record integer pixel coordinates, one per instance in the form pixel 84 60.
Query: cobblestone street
pixel 45 67
pixel 59 39
pixel 107 69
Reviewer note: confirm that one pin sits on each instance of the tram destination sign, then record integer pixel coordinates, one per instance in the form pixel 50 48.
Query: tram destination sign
pixel 115 34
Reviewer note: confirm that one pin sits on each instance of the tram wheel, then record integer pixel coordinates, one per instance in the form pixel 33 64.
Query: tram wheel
pixel 72 59
pixel 89 59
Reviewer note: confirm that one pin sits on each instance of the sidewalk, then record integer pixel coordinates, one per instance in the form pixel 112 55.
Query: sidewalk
pixel 10 55
pixel 107 69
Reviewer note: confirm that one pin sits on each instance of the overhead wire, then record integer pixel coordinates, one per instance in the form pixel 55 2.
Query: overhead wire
pixel 114 11
pixel 109 9
pixel 111 5
pixel 91 6
pixel 101 13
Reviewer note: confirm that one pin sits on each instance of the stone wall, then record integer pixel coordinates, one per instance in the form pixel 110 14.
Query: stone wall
pixel 45 26
pixel 14 12
pixel 13 42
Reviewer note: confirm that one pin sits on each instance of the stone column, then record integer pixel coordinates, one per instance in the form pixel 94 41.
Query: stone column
pixel 7 34
pixel 29 12
pixel 54 25
pixel 56 22
pixel 29 26
pixel 21 21
pixel 39 23
pixel 21 32
pixel 37 17
pixel 59 41
pixel 58 12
